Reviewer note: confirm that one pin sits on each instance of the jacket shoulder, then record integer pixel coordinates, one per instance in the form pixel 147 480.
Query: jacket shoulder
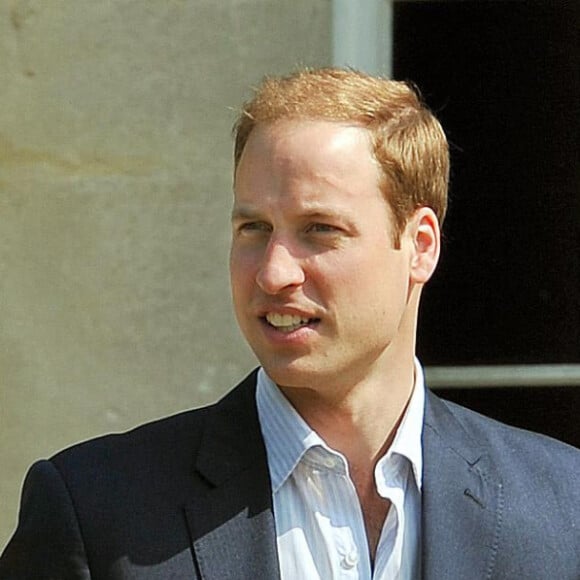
pixel 167 444
pixel 532 478
pixel 165 437
pixel 530 464
pixel 507 438
pixel 118 501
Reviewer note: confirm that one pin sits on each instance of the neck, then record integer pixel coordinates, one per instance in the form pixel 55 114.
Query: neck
pixel 361 424
pixel 362 427
pixel 360 419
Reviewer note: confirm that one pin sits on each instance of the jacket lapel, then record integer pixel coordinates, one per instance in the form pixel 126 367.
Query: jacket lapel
pixel 462 499
pixel 232 526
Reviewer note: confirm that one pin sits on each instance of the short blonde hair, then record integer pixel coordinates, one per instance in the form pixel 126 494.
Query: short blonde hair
pixel 408 141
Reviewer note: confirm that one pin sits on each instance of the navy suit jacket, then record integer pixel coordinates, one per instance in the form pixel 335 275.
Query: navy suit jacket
pixel 188 497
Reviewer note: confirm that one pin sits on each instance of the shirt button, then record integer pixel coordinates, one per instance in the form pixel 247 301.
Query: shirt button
pixel 350 560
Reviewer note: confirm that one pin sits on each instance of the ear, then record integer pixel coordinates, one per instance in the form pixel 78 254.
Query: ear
pixel 426 239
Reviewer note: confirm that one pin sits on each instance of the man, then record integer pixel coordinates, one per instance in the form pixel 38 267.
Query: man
pixel 331 460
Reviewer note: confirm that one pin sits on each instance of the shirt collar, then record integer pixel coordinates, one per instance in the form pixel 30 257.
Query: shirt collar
pixel 288 437
pixel 407 440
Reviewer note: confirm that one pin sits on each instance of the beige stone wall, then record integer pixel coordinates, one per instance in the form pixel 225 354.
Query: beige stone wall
pixel 115 186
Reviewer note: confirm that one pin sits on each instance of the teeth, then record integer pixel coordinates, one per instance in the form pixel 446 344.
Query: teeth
pixel 286 322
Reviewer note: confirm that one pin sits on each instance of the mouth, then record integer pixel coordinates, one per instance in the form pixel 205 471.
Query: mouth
pixel 288 322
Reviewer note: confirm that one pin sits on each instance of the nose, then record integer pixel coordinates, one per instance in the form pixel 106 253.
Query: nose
pixel 279 269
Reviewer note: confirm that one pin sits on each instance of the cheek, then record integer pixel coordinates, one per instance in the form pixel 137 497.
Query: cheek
pixel 374 280
pixel 241 262
pixel 352 272
pixel 336 284
pixel 240 275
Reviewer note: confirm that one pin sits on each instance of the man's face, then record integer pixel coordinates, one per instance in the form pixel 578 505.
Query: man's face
pixel 319 290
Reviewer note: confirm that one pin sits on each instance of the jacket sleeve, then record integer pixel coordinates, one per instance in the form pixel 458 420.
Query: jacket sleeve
pixel 47 544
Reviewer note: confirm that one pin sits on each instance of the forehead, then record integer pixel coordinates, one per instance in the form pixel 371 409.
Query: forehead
pixel 286 132
pixel 306 148
pixel 308 165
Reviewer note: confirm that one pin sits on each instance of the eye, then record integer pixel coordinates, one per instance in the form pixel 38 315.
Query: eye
pixel 251 227
pixel 322 228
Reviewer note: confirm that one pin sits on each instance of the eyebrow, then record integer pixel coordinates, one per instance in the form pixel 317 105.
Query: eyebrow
pixel 248 212
pixel 244 212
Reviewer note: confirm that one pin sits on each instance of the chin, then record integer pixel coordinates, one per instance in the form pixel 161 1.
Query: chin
pixel 294 374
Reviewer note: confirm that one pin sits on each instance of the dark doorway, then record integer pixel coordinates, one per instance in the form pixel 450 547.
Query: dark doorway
pixel 504 79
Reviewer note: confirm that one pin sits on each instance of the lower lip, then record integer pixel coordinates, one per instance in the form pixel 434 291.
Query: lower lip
pixel 300 335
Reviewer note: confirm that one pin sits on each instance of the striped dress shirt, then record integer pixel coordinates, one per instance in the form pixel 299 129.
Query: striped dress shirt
pixel 319 522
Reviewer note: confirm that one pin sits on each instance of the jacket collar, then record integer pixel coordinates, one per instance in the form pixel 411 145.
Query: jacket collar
pixel 462 499
pixel 232 526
